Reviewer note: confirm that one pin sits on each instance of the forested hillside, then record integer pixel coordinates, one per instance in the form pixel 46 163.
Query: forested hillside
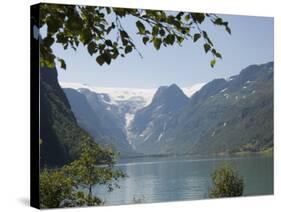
pixel 59 132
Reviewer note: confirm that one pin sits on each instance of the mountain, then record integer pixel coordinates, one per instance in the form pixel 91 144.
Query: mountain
pixel 99 118
pixel 59 132
pixel 85 116
pixel 220 117
pixel 189 91
pixel 116 95
pixel 149 125
pixel 119 104
pixel 224 116
pixel 145 95
pixel 248 124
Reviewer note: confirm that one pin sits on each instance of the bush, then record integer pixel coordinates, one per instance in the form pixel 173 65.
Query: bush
pixel 226 182
pixel 54 188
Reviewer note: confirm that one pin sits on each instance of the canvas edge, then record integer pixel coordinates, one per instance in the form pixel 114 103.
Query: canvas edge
pixel 34 109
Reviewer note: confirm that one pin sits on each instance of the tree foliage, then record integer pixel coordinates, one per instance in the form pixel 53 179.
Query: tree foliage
pixel 226 182
pixel 54 188
pixel 100 30
pixel 65 187
pixel 95 166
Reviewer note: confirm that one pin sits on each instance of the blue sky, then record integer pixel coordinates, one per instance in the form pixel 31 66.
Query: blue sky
pixel 251 42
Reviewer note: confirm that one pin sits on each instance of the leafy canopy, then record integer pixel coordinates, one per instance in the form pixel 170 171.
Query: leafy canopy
pixel 101 31
pixel 226 182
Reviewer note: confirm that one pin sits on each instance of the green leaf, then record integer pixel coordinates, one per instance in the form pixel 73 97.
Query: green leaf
pixel 170 39
pixel 120 11
pixel 102 46
pixel 198 17
pixel 207 47
pixel 185 30
pixel 140 27
pixel 144 40
pixel 179 15
pixel 205 35
pixel 124 34
pixel 218 21
pixel 53 24
pixel 177 24
pixel 92 48
pixel 196 37
pixel 212 63
pixel 108 42
pixel 124 37
pixel 225 23
pixel 115 53
pixel 128 49
pixel 100 60
pixel 218 55
pixel 107 57
pixel 162 32
pixel 108 10
pixel 48 41
pixel 85 36
pixel 155 30
pixel 74 23
pixel 180 39
pixel 170 19
pixel 61 38
pixel 187 17
pixel 157 43
pixel 228 29
pixel 62 63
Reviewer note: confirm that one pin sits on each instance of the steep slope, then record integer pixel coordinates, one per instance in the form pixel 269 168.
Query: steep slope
pixel 85 116
pixel 59 131
pixel 149 125
pixel 248 126
pixel 99 118
pixel 226 116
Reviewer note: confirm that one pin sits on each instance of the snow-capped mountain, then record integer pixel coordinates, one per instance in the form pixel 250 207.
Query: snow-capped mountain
pixel 204 118
pixel 116 94
pixel 123 94
pixel 128 100
pixel 149 125
pixel 224 116
pixel 121 102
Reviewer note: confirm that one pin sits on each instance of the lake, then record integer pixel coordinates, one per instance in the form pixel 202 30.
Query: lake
pixel 178 178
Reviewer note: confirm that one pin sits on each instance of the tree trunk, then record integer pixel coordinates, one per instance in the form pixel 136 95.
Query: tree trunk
pixel 90 192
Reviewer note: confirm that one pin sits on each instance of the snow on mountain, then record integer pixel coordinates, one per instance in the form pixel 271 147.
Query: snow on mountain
pixel 73 85
pixel 122 94
pixel 117 94
pixel 125 102
pixel 189 91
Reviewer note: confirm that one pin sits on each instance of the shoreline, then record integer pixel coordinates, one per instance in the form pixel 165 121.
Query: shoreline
pixel 268 152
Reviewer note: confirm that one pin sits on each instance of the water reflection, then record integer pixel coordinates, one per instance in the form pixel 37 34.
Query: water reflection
pixel 171 179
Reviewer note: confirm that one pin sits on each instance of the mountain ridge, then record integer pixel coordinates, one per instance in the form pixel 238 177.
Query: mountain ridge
pixel 172 123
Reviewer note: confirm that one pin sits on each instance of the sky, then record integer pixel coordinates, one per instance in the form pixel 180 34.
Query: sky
pixel 251 42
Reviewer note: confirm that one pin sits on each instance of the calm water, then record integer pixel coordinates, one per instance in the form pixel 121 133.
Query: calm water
pixel 171 179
